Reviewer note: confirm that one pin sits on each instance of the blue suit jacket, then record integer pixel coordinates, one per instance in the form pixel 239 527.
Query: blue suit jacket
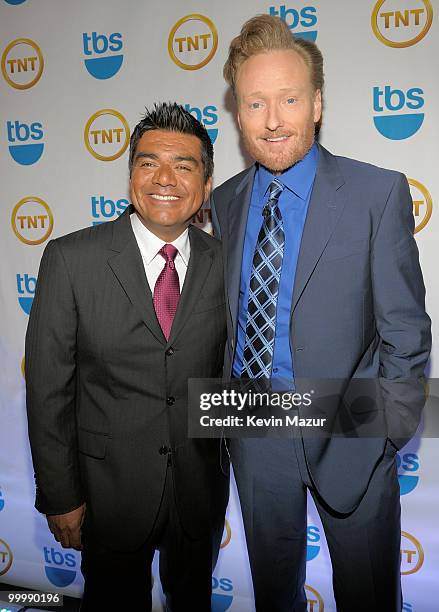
pixel 357 310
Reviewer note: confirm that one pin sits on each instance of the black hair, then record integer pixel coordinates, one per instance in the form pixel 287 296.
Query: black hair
pixel 173 117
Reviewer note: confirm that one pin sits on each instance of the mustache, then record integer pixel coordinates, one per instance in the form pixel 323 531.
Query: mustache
pixel 275 135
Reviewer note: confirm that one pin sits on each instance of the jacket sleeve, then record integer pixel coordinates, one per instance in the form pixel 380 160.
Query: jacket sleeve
pixel 399 307
pixel 50 367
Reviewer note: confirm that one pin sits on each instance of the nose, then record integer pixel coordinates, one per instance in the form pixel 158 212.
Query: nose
pixel 273 117
pixel 164 176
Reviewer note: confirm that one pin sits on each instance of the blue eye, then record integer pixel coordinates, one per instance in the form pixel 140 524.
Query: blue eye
pixel 291 100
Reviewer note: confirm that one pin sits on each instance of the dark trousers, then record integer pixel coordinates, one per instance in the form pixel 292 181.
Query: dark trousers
pixel 364 546
pixel 123 581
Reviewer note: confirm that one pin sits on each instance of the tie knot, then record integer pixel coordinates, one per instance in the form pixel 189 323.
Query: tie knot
pixel 276 189
pixel 168 252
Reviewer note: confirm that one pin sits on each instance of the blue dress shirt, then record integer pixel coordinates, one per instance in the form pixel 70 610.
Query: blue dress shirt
pixel 293 203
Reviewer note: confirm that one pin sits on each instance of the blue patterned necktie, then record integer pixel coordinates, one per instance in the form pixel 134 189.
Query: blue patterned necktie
pixel 264 288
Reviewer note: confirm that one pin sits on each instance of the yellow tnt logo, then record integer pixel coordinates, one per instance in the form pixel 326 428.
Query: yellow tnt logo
pixel 422 204
pixel 106 134
pixel 32 220
pixel 22 63
pixel 6 557
pixel 314 600
pixel 412 554
pixel 403 23
pixel 228 535
pixel 192 42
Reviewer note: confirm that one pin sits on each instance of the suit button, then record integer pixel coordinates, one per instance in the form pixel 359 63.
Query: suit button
pixel 163 450
pixel 170 400
pixel 169 352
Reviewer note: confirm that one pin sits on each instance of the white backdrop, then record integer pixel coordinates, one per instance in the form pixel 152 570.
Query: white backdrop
pixel 64 167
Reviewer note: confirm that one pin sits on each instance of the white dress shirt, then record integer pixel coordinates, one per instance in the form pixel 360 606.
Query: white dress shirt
pixel 150 245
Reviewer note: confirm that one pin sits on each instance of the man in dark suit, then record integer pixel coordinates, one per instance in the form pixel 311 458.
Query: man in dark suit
pixel 110 347
pixel 323 283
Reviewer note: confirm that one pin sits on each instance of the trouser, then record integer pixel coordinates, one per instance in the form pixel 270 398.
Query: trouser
pixel 364 545
pixel 123 580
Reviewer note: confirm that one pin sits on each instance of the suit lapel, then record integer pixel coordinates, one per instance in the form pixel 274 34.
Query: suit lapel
pixel 238 212
pixel 127 265
pixel 325 207
pixel 200 263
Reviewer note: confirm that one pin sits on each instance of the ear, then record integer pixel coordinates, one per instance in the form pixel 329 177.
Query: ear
pixel 317 105
pixel 207 189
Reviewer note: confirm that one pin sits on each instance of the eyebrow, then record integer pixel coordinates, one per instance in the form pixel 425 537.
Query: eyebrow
pixel 293 90
pixel 177 158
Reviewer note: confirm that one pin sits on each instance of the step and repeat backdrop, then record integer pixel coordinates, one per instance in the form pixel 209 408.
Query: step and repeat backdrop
pixel 75 78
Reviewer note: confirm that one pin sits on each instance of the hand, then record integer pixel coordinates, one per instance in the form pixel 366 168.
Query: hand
pixel 66 528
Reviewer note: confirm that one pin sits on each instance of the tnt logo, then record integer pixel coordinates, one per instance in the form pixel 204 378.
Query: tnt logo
pixel 106 134
pixel 103 209
pixel 408 465
pixel 22 368
pixel 401 23
pixel 24 145
pixel 412 554
pixel 2 501
pixel 312 539
pixel 6 557
pixel 192 42
pixel 301 21
pixel 227 535
pixel 203 219
pixel 60 567
pixel 314 600
pixel 32 220
pixel 388 104
pixel 422 204
pixel 106 60
pixel 26 290
pixel 22 63
pixel 208 116
pixel 222 594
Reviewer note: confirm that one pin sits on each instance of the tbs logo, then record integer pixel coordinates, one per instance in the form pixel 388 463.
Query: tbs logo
pixel 97 45
pixel 208 116
pixel 60 567
pixel 103 209
pixel 15 2
pixel 22 63
pixel 312 539
pixel 302 22
pixel 408 466
pixel 222 594
pixel 26 290
pixel 387 104
pixel 406 607
pixel 24 145
pixel 401 28
pixel 2 501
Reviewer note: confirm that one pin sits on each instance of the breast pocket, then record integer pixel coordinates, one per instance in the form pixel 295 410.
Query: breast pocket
pixel 345 249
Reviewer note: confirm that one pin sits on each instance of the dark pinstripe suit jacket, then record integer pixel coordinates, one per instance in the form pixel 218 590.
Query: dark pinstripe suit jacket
pixel 107 394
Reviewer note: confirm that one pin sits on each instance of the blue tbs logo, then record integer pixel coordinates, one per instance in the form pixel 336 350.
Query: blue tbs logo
pixel 96 45
pixel 208 116
pixel 312 542
pixel 390 106
pixel 60 567
pixel 26 290
pixel 104 209
pixel 2 501
pixel 24 141
pixel 408 466
pixel 301 21
pixel 222 594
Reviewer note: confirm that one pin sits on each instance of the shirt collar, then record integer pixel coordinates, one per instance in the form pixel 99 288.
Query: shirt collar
pixel 150 244
pixel 298 179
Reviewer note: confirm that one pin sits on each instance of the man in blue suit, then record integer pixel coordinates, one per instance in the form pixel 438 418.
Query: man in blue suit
pixel 323 282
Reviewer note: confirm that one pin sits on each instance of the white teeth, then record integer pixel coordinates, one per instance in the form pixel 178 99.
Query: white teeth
pixel 156 196
pixel 277 139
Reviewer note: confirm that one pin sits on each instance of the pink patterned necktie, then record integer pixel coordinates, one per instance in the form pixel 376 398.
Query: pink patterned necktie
pixel 167 290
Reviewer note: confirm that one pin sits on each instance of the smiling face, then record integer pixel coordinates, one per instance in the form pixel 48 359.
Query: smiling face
pixel 277 108
pixel 167 184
